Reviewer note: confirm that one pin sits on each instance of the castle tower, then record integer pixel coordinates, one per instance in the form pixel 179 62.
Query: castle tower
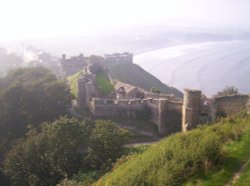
pixel 162 109
pixel 63 57
pixel 81 97
pixel 86 90
pixel 90 91
pixel 190 109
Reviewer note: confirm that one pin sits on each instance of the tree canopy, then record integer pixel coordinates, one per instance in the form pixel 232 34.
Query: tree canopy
pixel 30 96
pixel 61 148
pixel 227 91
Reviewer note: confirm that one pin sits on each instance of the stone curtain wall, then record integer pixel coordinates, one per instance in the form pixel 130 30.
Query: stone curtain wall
pixel 72 65
pixel 227 105
pixel 164 113
pixel 110 107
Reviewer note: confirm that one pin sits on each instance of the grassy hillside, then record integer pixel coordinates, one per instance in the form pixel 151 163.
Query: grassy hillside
pixel 244 179
pixel 73 83
pixel 135 75
pixel 104 84
pixel 209 155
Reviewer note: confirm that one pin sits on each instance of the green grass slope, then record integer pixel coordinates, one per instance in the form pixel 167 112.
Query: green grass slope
pixel 208 155
pixel 73 83
pixel 244 179
pixel 135 75
pixel 235 154
pixel 102 81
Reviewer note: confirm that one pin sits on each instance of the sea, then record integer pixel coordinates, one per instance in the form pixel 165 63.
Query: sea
pixel 208 66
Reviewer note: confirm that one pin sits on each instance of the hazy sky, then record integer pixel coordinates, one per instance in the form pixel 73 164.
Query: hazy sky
pixel 24 19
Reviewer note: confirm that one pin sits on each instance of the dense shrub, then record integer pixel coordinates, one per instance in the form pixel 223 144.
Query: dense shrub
pixel 61 148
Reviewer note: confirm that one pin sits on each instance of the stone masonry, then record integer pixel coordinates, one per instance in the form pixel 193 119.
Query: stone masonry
pixel 169 113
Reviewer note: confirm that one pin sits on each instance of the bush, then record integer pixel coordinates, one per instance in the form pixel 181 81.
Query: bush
pixel 61 148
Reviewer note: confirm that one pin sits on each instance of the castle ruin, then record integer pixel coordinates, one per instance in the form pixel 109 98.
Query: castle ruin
pixel 165 111
pixel 168 113
pixel 72 65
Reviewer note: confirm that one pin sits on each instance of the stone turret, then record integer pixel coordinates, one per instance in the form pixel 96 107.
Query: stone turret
pixel 81 97
pixel 86 90
pixel 190 109
pixel 162 109
pixel 63 57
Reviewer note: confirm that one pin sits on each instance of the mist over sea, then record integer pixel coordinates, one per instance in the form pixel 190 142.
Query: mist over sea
pixel 209 66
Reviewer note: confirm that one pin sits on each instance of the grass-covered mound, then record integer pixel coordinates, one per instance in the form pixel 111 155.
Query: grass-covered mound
pixel 186 157
pixel 73 82
pixel 103 82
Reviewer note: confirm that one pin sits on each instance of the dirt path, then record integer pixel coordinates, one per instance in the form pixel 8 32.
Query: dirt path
pixel 237 174
pixel 142 143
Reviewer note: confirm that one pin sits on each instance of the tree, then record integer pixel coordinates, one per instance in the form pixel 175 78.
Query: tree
pixel 61 148
pixel 43 158
pixel 30 96
pixel 106 142
pixel 227 91
pixel 155 90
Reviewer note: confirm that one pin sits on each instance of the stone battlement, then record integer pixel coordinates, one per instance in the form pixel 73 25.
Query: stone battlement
pixel 100 101
pixel 191 90
pixel 165 113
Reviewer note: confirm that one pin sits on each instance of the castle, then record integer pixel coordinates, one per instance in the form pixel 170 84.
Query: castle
pixel 168 113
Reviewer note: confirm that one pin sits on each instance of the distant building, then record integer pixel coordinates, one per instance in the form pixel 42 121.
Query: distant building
pixel 119 57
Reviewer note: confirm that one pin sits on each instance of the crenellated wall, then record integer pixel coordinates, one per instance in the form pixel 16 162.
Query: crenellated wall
pixel 169 115
pixel 163 110
pixel 164 113
pixel 110 107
